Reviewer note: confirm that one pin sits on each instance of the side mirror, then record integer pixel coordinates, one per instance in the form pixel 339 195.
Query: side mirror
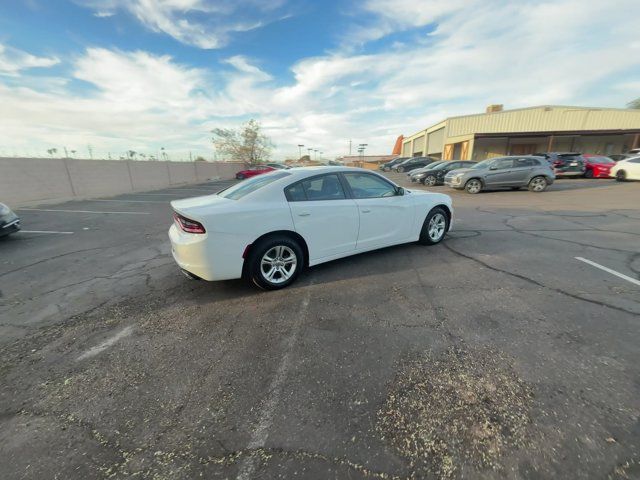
pixel 399 191
pixel 493 167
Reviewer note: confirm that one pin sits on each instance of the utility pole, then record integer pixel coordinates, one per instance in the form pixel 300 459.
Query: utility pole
pixel 300 151
pixel 90 148
pixel 349 147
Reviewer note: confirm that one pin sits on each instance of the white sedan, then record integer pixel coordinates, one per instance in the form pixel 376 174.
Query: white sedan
pixel 268 228
pixel 627 169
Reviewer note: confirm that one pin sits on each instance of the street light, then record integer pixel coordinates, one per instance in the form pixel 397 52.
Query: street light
pixel 300 150
pixel 315 150
pixel 361 149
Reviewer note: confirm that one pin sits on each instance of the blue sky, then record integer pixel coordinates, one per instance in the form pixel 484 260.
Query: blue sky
pixel 145 74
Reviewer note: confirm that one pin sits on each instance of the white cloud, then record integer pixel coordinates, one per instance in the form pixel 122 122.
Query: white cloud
pixel 519 54
pixel 12 61
pixel 200 23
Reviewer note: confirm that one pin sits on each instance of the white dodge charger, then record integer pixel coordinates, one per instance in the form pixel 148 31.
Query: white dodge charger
pixel 268 228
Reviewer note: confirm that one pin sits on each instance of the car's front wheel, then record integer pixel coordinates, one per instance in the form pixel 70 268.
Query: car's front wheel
pixel 473 186
pixel 588 174
pixel 621 175
pixel 430 180
pixel 435 227
pixel 275 262
pixel 400 169
pixel 538 184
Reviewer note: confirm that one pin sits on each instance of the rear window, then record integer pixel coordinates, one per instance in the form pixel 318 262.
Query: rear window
pixel 527 162
pixel 239 190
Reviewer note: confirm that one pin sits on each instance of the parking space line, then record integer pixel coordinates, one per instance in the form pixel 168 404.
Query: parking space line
pixel 46 231
pixel 78 211
pixel 259 436
pixel 129 201
pixel 608 270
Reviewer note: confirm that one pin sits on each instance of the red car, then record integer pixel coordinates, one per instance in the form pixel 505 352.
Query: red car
pixel 597 166
pixel 252 172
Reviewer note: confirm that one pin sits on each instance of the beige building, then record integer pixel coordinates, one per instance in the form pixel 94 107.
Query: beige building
pixel 528 130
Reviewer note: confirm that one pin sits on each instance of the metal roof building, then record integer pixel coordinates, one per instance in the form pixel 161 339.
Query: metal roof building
pixel 528 130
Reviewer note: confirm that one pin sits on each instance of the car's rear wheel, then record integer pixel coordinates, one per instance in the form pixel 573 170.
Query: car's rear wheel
pixel 538 184
pixel 400 169
pixel 430 180
pixel 275 262
pixel 473 186
pixel 621 175
pixel 435 226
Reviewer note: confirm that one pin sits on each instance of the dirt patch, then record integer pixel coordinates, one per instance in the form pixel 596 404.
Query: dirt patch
pixel 466 408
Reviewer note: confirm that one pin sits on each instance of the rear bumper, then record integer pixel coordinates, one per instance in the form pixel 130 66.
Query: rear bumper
pixel 10 226
pixel 206 257
pixel 452 184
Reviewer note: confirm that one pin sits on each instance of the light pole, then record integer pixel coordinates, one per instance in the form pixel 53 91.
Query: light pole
pixel 315 150
pixel 300 150
pixel 361 149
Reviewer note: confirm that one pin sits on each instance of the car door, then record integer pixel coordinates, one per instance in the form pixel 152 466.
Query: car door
pixel 450 166
pixel 386 218
pixel 323 215
pixel 497 174
pixel 633 169
pixel 522 170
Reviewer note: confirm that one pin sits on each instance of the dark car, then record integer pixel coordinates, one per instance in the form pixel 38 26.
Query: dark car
pixel 435 176
pixel 565 164
pixel 9 221
pixel 386 167
pixel 413 163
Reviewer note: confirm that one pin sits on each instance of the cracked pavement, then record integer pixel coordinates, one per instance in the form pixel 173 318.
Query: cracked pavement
pixel 114 364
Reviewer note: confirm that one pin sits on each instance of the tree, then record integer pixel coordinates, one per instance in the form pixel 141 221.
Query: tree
pixel 52 151
pixel 200 159
pixel 634 104
pixel 131 154
pixel 247 143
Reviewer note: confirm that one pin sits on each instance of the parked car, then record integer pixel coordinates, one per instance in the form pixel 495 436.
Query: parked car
pixel 616 157
pixel 597 166
pixel 386 167
pixel 252 172
pixel 435 176
pixel 503 172
pixel 268 228
pixel 9 221
pixel 414 173
pixel 565 164
pixel 279 166
pixel 628 169
pixel 413 163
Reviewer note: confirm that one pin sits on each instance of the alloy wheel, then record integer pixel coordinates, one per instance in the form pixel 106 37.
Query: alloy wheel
pixel 430 181
pixel 473 186
pixel 538 184
pixel 437 226
pixel 278 264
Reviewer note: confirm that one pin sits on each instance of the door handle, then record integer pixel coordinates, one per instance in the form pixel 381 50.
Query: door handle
pixel 366 210
pixel 304 214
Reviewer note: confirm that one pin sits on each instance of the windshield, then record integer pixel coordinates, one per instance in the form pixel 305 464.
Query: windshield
pixel 439 165
pixel 246 187
pixel 482 164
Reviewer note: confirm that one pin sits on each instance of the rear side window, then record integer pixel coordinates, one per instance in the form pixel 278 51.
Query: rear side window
pixel 325 187
pixel 246 187
pixel 527 162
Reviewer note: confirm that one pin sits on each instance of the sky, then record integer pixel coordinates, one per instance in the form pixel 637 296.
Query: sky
pixel 142 75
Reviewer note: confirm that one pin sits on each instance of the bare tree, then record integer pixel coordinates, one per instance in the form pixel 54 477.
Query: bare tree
pixel 52 151
pixel 131 154
pixel 634 104
pixel 247 143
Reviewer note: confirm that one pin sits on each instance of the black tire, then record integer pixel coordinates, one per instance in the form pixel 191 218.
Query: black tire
pixel 538 184
pixel 473 186
pixel 257 275
pixel 430 180
pixel 588 174
pixel 239 177
pixel 435 213
pixel 386 169
pixel 400 169
pixel 621 176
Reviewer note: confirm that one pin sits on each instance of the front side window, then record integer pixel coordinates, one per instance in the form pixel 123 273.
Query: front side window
pixel 502 164
pixel 482 164
pixel 364 185
pixel 246 187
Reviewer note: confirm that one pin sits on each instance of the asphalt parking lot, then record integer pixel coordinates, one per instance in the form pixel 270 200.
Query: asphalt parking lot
pixel 507 351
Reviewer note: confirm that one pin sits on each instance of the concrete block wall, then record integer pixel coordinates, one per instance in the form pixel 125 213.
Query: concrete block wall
pixel 32 181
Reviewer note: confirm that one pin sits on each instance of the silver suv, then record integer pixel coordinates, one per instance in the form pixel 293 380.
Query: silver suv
pixel 503 172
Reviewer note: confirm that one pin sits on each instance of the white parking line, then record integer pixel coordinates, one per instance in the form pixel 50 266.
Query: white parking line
pixel 78 211
pixel 608 270
pixel 92 352
pixel 129 201
pixel 248 466
pixel 46 231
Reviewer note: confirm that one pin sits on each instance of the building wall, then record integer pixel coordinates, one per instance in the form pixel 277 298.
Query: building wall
pixel 30 181
pixel 545 119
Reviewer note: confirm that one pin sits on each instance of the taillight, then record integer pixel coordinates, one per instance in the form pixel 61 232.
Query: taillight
pixel 188 225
